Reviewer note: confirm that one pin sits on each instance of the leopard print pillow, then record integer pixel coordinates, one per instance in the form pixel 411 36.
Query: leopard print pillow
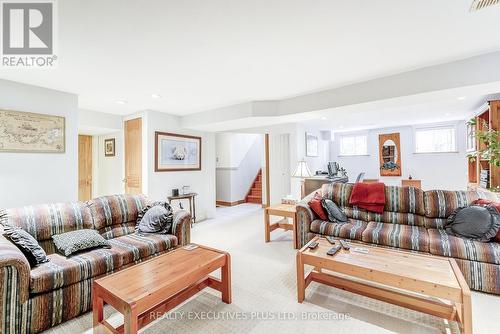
pixel 75 241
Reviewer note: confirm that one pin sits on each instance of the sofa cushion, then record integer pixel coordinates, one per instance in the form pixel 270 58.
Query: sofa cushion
pixel 115 231
pixel 441 203
pixel 116 209
pixel 63 271
pixel 404 200
pixel 353 229
pixel 337 192
pixel 397 235
pixel 444 244
pixel 397 218
pixel 43 221
pixel 134 247
pixel 317 207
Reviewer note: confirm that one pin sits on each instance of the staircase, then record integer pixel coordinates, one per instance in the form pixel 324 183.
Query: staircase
pixel 254 195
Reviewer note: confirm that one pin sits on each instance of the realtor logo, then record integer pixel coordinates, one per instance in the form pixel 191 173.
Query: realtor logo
pixel 28 33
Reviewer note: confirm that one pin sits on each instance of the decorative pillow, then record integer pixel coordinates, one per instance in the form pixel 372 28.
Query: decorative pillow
pixel 26 244
pixel 315 205
pixel 334 212
pixel 155 218
pixel 74 241
pixel 475 222
pixel 482 201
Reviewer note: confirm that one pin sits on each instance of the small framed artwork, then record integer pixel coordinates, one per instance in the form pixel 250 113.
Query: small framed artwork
pixel 174 152
pixel 311 145
pixel 109 147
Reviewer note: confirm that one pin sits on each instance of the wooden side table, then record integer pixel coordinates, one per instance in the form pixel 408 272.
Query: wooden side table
pixel 192 204
pixel 282 210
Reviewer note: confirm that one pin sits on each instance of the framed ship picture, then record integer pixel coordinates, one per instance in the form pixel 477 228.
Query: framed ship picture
pixel 175 152
pixel 29 132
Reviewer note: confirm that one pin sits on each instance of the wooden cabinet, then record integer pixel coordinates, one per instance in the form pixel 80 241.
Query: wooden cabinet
pixel 481 173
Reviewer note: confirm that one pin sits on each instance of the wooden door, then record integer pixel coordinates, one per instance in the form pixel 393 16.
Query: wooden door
pixel 133 156
pixel 84 167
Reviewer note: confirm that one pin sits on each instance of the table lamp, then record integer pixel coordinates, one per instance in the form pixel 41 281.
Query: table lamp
pixel 302 171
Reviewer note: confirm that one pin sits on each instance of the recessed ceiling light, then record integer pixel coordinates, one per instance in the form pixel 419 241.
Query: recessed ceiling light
pixel 341 126
pixel 121 102
pixel 156 96
pixel 323 118
pixel 461 98
pixel 448 114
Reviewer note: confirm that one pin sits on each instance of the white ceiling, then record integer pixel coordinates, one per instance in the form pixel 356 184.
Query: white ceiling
pixel 200 55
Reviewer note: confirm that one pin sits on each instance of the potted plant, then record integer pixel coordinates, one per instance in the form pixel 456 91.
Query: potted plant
pixel 491 140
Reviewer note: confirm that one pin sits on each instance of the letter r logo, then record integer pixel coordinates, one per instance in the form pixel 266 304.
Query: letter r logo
pixel 27 28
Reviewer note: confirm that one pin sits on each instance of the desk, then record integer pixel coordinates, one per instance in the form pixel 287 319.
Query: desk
pixel 192 204
pixel 412 183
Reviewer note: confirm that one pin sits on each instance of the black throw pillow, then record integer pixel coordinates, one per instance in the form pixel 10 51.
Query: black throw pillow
pixel 335 214
pixel 155 218
pixel 480 223
pixel 26 244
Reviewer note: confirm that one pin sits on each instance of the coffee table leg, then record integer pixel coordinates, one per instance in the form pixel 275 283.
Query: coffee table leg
pixel 266 226
pixel 226 280
pixel 130 321
pixel 301 283
pixel 97 308
pixel 466 313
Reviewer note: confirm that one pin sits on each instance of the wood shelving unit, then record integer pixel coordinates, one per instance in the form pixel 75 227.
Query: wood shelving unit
pixel 492 116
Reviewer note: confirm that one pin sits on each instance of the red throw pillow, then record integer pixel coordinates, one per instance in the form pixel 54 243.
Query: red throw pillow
pixel 316 206
pixel 482 201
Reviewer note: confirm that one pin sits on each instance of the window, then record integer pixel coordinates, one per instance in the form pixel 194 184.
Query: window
pixel 435 139
pixel 353 145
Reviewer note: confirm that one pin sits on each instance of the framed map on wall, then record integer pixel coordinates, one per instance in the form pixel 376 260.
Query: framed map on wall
pixel 30 132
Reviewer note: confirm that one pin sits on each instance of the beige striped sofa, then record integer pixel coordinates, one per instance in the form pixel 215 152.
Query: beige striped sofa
pixel 33 300
pixel 412 220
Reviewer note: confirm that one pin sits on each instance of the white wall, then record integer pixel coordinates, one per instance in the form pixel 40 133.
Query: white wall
pixel 238 162
pixel 160 184
pixel 109 171
pixel 34 178
pixel 436 170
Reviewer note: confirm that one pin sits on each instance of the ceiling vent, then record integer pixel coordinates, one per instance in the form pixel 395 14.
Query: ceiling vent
pixel 480 4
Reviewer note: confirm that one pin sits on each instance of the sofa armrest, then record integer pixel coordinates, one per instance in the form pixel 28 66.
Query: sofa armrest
pixel 181 227
pixel 13 266
pixel 304 218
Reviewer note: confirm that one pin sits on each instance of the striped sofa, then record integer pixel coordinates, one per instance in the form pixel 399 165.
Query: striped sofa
pixel 412 220
pixel 33 300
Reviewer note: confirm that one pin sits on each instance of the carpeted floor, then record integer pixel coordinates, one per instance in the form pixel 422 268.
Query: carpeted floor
pixel 264 293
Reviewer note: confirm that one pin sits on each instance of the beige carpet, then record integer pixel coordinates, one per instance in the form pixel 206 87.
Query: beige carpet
pixel 264 295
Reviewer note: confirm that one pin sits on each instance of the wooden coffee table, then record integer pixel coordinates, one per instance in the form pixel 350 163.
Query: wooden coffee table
pixel 158 285
pixel 425 283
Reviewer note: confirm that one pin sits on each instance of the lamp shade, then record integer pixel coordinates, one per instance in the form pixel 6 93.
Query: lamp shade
pixel 302 170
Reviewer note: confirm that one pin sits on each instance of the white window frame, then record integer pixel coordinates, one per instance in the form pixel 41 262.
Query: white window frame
pixel 357 134
pixel 435 127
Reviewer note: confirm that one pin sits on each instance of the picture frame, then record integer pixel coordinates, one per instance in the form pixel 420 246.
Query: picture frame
pixel 27 132
pixel 109 147
pixel 311 145
pixel 176 152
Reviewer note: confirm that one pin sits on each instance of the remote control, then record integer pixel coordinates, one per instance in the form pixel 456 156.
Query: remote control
pixel 344 244
pixel 331 240
pixel 334 250
pixel 313 245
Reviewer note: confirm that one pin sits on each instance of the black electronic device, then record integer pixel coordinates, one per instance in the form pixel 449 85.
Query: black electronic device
pixel 344 244
pixel 313 245
pixel 333 251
